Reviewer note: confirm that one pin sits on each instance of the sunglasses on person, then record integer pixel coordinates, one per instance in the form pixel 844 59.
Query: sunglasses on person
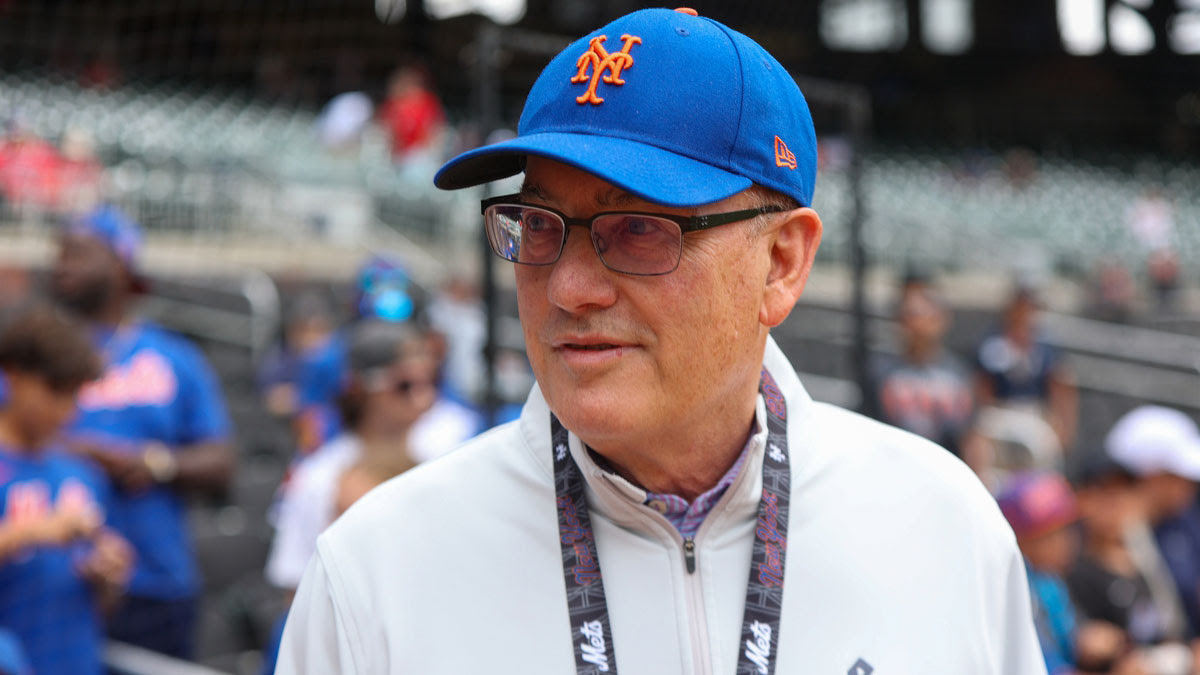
pixel 643 244
pixel 407 387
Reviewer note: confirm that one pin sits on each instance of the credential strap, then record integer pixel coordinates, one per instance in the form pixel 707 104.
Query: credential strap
pixel 591 632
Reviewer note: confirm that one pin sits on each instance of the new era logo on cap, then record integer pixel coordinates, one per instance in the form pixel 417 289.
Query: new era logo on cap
pixel 783 156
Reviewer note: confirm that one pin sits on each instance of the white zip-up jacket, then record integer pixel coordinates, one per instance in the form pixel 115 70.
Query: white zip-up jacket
pixel 898 563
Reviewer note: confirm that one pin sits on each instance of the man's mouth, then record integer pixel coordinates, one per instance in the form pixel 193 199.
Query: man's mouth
pixel 591 347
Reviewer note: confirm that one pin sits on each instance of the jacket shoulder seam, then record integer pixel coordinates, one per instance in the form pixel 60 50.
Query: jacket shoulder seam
pixel 337 594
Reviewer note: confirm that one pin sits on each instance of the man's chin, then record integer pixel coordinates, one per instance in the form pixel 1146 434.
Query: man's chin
pixel 600 422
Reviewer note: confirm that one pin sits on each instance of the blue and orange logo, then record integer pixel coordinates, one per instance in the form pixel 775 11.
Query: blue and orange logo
pixel 600 60
pixel 784 156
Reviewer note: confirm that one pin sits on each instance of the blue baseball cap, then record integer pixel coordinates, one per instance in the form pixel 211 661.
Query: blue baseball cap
pixel 116 230
pixel 677 109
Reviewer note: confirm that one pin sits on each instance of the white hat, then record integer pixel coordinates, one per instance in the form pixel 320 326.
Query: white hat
pixel 1152 439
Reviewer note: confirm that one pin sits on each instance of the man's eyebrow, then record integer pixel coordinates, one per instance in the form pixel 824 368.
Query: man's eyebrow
pixel 533 191
pixel 611 198
pixel 615 197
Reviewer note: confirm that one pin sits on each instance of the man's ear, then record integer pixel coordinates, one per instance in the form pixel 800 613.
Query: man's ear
pixel 794 243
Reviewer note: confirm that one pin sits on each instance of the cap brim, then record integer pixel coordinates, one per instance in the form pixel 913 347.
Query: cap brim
pixel 652 173
pixel 1186 463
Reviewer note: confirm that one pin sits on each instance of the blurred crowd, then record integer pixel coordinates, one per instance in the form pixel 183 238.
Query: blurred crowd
pixel 1112 545
pixel 69 171
pixel 38 177
pixel 108 423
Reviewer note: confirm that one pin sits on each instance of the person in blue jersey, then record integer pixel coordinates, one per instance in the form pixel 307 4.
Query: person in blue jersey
pixel 59 564
pixel 300 379
pixel 12 657
pixel 155 421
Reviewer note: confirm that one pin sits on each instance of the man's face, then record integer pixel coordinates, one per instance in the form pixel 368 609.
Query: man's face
pixel 1022 316
pixel 1172 494
pixel 922 319
pixel 86 274
pixel 1052 552
pixel 40 411
pixel 1108 506
pixel 620 358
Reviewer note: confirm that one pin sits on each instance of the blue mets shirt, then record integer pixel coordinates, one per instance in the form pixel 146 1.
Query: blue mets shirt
pixel 44 603
pixel 12 656
pixel 156 386
pixel 319 378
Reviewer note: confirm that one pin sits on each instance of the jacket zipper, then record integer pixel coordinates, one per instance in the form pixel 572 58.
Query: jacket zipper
pixel 697 615
pixel 701 648
pixel 694 593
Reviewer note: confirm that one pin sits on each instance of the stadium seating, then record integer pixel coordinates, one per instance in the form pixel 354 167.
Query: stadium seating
pixel 212 162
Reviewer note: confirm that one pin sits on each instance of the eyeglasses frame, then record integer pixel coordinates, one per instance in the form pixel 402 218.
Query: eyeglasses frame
pixel 686 224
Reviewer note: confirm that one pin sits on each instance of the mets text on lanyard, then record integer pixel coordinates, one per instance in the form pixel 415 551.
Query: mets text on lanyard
pixel 591 632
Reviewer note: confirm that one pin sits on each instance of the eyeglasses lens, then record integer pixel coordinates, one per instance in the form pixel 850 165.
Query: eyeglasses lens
pixel 524 234
pixel 637 244
pixel 630 243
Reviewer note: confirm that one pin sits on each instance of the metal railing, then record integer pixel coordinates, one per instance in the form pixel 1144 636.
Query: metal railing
pixel 126 659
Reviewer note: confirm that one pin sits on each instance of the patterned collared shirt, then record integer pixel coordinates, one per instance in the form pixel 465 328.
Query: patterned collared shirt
pixel 687 517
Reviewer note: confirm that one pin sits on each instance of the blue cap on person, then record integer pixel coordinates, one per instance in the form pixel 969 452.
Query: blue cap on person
pixel 675 108
pixel 383 291
pixel 116 230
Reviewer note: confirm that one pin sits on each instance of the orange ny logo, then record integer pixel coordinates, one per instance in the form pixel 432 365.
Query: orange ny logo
pixel 600 61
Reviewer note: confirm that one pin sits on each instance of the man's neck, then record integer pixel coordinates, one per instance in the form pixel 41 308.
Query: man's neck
pixel 690 469
pixel 386 442
pixel 386 455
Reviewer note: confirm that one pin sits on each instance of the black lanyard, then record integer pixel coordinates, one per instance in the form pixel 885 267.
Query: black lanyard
pixel 591 633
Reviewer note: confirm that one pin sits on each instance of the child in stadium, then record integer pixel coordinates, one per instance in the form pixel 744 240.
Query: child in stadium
pixel 59 565
pixel 1041 510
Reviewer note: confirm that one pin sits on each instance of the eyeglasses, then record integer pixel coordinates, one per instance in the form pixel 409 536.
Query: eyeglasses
pixel 644 244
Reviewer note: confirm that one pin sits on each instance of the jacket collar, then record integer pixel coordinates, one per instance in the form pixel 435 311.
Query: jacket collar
pixel 621 501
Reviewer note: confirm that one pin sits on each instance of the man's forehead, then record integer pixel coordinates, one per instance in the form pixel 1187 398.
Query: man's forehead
pixel 603 193
pixel 556 184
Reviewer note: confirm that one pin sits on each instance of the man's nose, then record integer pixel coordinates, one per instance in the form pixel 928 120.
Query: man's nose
pixel 579 280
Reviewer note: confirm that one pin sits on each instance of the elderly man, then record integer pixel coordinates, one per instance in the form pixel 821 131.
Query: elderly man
pixel 670 500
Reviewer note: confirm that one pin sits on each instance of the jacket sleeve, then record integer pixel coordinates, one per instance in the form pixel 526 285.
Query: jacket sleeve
pixel 1016 650
pixel 319 637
